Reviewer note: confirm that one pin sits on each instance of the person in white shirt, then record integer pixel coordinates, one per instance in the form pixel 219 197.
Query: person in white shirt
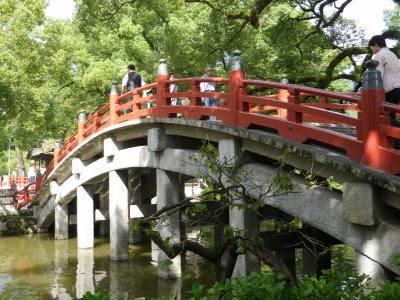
pixel 174 88
pixel 389 66
pixel 31 174
pixel 209 87
pixel 132 79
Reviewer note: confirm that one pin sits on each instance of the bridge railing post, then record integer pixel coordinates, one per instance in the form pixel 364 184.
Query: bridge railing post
pixel 294 99
pixel 81 126
pixel 113 104
pixel 372 97
pixel 283 96
pixel 236 88
pixel 162 87
pixel 56 157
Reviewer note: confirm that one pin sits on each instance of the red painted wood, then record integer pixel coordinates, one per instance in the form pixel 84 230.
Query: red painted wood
pixel 371 146
pixel 371 101
pixel 283 96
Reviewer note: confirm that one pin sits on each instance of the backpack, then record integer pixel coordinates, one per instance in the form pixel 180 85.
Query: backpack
pixel 134 80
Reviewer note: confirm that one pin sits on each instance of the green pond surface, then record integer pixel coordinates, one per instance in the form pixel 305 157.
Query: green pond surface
pixel 39 267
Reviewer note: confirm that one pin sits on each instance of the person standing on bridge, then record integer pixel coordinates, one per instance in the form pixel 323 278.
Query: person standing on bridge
pixel 174 88
pixel 132 79
pixel 389 66
pixel 209 87
pixel 31 174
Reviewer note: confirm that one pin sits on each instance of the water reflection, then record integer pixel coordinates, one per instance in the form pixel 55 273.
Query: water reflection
pixel 60 266
pixel 84 272
pixel 38 267
pixel 4 279
pixel 115 280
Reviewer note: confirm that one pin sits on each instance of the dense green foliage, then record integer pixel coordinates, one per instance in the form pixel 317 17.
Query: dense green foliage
pixel 269 286
pixel 21 223
pixel 98 296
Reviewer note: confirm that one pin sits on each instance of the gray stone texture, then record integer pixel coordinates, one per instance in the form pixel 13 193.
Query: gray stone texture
pixel 119 215
pixel 367 266
pixel 85 217
pixel 168 193
pixel 242 219
pixel 358 203
pixel 157 140
pixel 61 222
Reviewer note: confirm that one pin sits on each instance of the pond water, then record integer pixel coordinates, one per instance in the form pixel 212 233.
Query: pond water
pixel 39 267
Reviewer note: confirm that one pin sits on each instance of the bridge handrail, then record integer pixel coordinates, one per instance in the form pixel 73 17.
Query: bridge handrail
pixel 308 91
pixel 137 90
pixel 391 107
pixel 291 117
pixel 22 197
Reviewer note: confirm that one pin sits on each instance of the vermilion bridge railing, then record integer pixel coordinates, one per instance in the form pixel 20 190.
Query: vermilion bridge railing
pixel 291 111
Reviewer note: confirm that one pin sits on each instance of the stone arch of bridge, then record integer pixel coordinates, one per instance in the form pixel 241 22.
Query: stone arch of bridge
pixel 115 150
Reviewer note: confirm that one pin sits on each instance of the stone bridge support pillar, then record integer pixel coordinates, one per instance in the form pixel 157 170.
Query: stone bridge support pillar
pixel 242 219
pixel 367 266
pixel 169 190
pixel 118 205
pixel 85 217
pixel 360 206
pixel 60 214
pixel 135 202
pixel 104 226
pixel 84 208
pixel 119 215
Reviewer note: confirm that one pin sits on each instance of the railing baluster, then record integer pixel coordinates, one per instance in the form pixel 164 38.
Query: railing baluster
pixel 293 100
pixel 195 100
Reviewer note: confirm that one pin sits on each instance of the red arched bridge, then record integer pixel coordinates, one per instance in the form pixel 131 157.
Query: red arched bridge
pixel 131 158
pixel 291 111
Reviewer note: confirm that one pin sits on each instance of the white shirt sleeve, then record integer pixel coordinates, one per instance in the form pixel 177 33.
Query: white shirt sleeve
pixel 125 80
pixel 381 65
pixel 202 86
pixel 145 92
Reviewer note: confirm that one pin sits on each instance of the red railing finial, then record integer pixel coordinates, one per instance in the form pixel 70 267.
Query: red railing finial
pixel 162 87
pixel 113 96
pixel 81 126
pixel 57 146
pixel 236 87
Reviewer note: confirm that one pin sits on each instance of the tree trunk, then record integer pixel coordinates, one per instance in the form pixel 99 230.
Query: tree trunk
pixel 20 162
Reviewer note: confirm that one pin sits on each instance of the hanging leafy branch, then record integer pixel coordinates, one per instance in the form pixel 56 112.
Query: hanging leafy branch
pixel 228 186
